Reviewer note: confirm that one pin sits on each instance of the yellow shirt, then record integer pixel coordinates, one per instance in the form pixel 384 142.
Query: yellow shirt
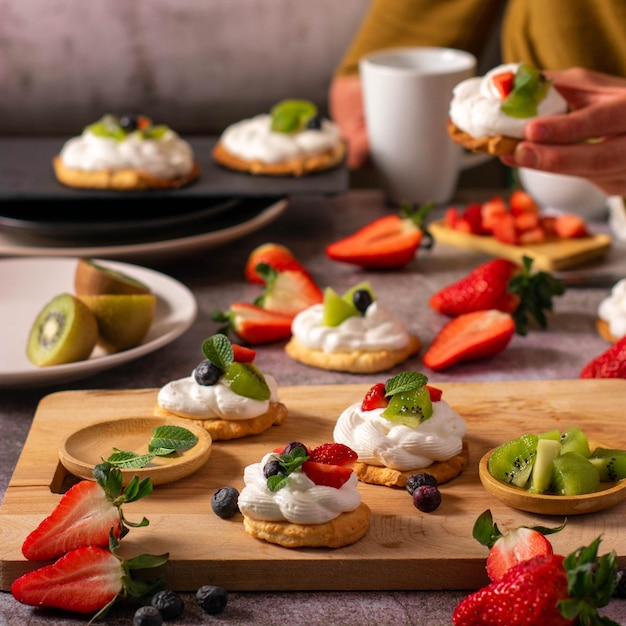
pixel 549 34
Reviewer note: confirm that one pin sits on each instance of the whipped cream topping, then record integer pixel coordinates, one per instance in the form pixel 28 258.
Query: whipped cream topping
pixel 378 329
pixel 300 501
pixel 254 140
pixel 379 441
pixel 613 309
pixel 168 156
pixel 475 107
pixel 186 397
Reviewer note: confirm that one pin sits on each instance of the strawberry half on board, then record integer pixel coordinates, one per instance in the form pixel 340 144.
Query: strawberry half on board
pixel 610 364
pixel 386 243
pixel 254 324
pixel 273 254
pixel 86 515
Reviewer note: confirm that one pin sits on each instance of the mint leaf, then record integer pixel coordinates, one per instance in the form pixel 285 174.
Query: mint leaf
pixel 289 463
pixel 274 483
pixel 218 350
pixel 530 87
pixel 170 438
pixel 127 459
pixel 406 381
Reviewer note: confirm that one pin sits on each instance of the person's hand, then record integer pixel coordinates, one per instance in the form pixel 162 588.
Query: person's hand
pixel 346 109
pixel 590 141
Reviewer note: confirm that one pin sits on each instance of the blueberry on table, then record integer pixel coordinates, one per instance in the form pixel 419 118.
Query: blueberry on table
pixel 168 603
pixel 417 480
pixel 147 616
pixel 212 599
pixel 224 502
pixel 427 498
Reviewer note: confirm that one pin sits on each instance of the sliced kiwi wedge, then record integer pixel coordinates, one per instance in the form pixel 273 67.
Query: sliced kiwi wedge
pixel 541 476
pixel 611 464
pixel 64 331
pixel 336 308
pixel 512 462
pixel 291 116
pixel 245 379
pixel 410 407
pixel 574 440
pixel 574 475
pixel 92 278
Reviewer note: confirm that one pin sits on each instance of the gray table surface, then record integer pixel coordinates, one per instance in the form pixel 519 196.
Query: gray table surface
pixel 216 279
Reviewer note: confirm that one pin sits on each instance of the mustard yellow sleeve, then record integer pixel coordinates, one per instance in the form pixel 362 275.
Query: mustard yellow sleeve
pixel 462 24
pixel 557 34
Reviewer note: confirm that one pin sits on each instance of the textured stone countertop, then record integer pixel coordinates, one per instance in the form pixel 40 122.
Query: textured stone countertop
pixel 216 278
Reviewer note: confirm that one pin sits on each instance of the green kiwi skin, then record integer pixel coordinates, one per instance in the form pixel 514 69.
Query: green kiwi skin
pixel 512 461
pixel 92 278
pixel 247 380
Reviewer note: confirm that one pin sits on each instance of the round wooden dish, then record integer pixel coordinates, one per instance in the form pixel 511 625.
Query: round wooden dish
pixel 85 448
pixel 609 495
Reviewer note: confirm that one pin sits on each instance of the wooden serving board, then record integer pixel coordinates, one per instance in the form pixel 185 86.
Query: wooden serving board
pixel 404 548
pixel 549 256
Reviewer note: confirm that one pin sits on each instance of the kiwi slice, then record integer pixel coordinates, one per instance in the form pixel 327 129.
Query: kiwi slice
pixel 541 477
pixel 574 475
pixel 348 296
pixel 574 440
pixel 290 116
pixel 336 308
pixel 123 320
pixel 65 331
pixel 410 407
pixel 554 433
pixel 611 464
pixel 92 278
pixel 512 462
pixel 247 380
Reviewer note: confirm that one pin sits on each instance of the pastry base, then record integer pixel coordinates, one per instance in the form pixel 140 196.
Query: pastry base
pixel 222 429
pixel 342 531
pixel 498 145
pixel 443 471
pixel 294 167
pixel 605 333
pixel 119 180
pixel 356 362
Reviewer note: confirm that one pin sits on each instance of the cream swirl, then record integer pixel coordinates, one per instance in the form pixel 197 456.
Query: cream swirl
pixel 186 397
pixel 377 329
pixel 379 441
pixel 300 501
pixel 168 156
pixel 253 140
pixel 613 309
pixel 475 106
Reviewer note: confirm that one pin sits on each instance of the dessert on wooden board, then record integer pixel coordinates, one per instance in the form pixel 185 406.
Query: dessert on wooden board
pixel 611 321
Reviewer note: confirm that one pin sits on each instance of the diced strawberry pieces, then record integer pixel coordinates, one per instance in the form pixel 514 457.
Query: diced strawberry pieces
pixel 334 454
pixel 533 235
pixel 451 217
pixel 504 82
pixel 521 202
pixel 327 475
pixel 491 211
pixel 375 398
pixel 504 229
pixel 242 354
pixel 434 392
pixel 275 255
pixel 526 221
pixel 470 337
pixel 569 226
pixel 473 217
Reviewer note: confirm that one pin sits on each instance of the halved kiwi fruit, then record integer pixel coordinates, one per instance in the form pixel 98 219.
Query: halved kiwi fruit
pixel 92 278
pixel 64 331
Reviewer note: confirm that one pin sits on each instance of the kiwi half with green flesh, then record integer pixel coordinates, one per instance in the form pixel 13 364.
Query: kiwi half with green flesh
pixel 611 464
pixel 65 331
pixel 92 278
pixel 574 475
pixel 574 440
pixel 512 462
pixel 123 320
pixel 246 380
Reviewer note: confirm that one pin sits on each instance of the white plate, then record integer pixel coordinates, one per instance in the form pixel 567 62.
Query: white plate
pixel 160 250
pixel 26 285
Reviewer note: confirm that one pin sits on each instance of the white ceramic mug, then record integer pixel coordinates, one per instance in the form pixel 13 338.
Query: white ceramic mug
pixel 406 96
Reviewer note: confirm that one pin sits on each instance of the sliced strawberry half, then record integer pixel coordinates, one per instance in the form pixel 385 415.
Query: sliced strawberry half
pixel 287 292
pixel 503 82
pixel 243 354
pixel 435 393
pixel 254 324
pixel 327 475
pixel 375 398
pixel 470 337
pixel 273 254
pixel 334 454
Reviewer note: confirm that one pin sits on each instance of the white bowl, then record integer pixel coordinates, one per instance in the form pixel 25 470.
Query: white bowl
pixel 569 194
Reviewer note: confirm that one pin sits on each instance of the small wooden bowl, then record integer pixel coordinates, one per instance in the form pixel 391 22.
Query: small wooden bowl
pixel 87 447
pixel 609 495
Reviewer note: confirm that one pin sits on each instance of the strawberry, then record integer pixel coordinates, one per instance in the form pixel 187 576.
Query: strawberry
pixel 254 324
pixel 501 284
pixel 334 454
pixel 506 550
pixel 548 589
pixel 520 203
pixel 85 580
pixel 273 254
pixel 470 337
pixel 491 212
pixel 375 398
pixel 242 354
pixel 568 226
pixel 327 475
pixel 287 292
pixel 451 217
pixel 86 514
pixel 471 220
pixel 610 364
pixel 434 392
pixel 387 242
pixel 503 82
pixel 504 230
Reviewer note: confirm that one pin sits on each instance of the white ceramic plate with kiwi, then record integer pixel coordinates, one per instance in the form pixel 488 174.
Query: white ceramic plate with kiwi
pixel 26 285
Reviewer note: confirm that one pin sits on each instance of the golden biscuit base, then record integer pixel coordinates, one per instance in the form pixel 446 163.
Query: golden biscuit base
pixel 119 180
pixel 300 166
pixel 222 429
pixel 342 531
pixel 605 333
pixel 498 145
pixel 355 362
pixel 443 471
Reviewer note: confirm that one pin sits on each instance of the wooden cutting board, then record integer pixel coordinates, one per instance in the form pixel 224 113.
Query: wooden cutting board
pixel 550 256
pixel 404 549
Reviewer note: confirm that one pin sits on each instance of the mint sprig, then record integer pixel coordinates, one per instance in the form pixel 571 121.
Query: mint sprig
pixel 530 87
pixel 406 381
pixel 289 463
pixel 218 350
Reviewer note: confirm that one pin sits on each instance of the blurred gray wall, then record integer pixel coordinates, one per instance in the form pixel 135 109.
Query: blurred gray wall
pixel 196 65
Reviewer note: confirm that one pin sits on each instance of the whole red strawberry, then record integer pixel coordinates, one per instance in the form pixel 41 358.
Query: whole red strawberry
pixel 610 364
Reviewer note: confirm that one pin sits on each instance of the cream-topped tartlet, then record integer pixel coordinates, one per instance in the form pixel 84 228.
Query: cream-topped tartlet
pixel 290 140
pixel 350 333
pixel 226 394
pixel 302 497
pixel 126 153
pixel 611 320
pixel 403 427
pixel 489 113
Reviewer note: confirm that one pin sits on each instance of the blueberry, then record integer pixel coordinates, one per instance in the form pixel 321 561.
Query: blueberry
pixel 362 298
pixel 272 468
pixel 169 604
pixel 212 599
pixel 207 373
pixel 417 480
pixel 315 123
pixel 292 445
pixel 147 616
pixel 427 498
pixel 129 122
pixel 224 502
